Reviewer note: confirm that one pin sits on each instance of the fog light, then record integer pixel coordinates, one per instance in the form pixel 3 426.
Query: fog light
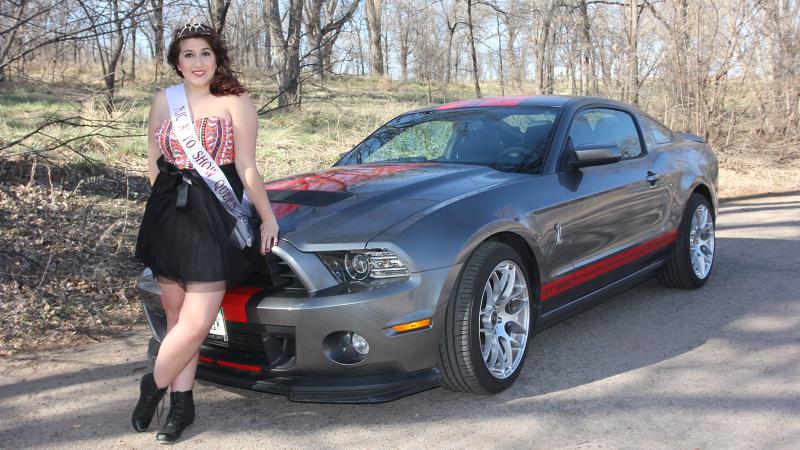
pixel 360 344
pixel 345 347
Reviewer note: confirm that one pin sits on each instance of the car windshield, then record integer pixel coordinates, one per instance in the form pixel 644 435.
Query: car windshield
pixel 507 139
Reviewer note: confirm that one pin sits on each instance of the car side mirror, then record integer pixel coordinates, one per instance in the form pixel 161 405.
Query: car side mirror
pixel 594 155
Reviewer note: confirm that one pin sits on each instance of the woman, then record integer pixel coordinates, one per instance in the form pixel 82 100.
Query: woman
pixel 184 235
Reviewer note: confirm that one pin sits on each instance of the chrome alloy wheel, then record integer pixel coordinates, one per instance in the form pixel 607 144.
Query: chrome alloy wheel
pixel 701 242
pixel 505 312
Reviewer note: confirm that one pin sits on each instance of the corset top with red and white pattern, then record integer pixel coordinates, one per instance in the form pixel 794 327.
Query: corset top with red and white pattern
pixel 216 134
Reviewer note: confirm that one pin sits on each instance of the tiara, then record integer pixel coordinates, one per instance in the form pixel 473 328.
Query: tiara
pixel 193 27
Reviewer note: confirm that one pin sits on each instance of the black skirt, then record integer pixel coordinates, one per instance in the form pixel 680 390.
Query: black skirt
pixel 184 235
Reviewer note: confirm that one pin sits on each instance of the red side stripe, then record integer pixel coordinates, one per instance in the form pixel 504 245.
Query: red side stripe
pixel 558 286
pixel 205 359
pixel 235 301
pixel 606 265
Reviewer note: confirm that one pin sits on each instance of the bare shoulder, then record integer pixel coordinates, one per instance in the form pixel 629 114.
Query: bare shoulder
pixel 240 104
pixel 159 110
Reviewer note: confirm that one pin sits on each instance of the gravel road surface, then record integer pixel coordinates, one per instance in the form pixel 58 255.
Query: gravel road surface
pixel 650 368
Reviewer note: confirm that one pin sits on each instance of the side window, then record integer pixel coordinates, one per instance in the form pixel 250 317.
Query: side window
pixel 661 134
pixel 606 126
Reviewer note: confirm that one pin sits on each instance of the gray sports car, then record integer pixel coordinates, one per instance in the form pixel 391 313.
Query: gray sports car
pixel 432 252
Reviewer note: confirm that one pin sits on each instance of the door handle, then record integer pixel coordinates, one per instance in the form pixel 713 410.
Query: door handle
pixel 652 177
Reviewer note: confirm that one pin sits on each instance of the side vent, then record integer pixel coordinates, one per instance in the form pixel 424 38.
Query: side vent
pixel 283 277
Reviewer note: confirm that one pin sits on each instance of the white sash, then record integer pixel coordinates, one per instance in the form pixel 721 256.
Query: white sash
pixel 204 164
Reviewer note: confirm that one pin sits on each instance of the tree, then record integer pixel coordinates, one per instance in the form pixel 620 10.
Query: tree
pixel 286 58
pixel 219 12
pixel 323 34
pixel 374 10
pixel 473 53
pixel 109 37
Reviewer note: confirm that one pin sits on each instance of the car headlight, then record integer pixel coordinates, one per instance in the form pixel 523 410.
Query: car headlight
pixel 364 265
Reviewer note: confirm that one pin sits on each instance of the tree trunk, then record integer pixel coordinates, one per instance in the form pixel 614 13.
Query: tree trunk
pixel 588 71
pixel 541 50
pixel 219 12
pixel 451 32
pixel 314 31
pixel 472 50
pixel 404 51
pixel 500 57
pixel 134 26
pixel 287 58
pixel 374 9
pixel 633 56
pixel 157 24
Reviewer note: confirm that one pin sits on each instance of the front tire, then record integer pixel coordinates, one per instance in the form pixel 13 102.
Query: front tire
pixel 488 322
pixel 692 255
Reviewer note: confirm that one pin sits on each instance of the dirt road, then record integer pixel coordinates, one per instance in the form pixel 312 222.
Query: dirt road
pixel 655 368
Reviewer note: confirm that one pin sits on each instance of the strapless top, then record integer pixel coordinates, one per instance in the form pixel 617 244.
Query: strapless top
pixel 216 134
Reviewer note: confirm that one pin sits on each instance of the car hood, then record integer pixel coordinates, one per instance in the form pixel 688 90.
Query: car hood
pixel 345 206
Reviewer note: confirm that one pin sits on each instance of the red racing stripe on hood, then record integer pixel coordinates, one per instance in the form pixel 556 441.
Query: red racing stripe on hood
pixel 493 101
pixel 333 179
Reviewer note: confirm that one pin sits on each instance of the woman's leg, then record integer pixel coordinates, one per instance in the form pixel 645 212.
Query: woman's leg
pixel 172 295
pixel 181 345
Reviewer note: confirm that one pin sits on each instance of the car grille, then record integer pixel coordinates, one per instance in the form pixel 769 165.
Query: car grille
pixel 256 343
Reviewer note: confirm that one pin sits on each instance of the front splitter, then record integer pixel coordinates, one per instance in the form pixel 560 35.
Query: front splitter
pixel 361 389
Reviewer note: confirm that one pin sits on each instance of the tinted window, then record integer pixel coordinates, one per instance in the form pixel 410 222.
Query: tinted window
pixel 509 139
pixel 606 126
pixel 661 134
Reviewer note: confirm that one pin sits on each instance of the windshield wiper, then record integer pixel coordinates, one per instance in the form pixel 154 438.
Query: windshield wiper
pixel 535 157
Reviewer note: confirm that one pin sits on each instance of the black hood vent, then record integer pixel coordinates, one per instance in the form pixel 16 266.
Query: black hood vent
pixel 307 198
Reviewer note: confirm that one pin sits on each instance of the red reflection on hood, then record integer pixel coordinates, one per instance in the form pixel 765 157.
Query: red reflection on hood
pixel 333 179
pixel 493 101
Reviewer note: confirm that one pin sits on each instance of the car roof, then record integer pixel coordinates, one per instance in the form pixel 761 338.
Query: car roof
pixel 551 101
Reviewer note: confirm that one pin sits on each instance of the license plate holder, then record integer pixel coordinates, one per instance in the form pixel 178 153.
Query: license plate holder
pixel 218 331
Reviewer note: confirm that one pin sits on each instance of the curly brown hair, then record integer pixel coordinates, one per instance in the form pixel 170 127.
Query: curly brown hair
pixel 224 81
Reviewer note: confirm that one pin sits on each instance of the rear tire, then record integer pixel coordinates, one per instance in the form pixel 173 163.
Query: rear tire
pixel 488 322
pixel 691 257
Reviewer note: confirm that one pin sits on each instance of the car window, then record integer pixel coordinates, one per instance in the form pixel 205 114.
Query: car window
pixel 661 134
pixel 600 126
pixel 426 140
pixel 507 139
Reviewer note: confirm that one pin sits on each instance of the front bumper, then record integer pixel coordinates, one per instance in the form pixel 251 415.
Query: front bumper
pixel 279 339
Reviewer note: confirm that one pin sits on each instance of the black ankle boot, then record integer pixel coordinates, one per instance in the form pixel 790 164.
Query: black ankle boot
pixel 181 415
pixel 149 396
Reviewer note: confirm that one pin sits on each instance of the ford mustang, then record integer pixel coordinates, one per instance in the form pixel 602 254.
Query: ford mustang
pixel 432 252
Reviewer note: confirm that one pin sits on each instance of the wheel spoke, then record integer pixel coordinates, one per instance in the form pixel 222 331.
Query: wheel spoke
pixel 494 354
pixel 508 360
pixel 495 287
pixel 487 346
pixel 510 277
pixel 487 295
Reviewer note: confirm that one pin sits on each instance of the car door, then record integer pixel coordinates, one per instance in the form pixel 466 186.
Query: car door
pixel 613 212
